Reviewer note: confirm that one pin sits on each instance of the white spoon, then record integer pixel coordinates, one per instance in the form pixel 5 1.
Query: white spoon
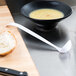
pixel 64 49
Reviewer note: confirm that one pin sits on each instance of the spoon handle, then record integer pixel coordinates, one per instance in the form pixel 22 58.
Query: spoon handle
pixel 33 34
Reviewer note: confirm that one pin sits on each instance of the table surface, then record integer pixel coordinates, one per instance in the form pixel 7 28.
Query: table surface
pixel 49 61
pixel 20 54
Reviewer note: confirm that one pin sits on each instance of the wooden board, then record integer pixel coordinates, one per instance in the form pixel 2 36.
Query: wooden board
pixel 2 2
pixel 20 58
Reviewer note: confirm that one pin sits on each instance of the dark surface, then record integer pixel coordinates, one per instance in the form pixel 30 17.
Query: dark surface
pixel 46 24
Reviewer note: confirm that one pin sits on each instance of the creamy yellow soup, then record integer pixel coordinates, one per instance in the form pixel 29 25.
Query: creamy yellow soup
pixel 46 14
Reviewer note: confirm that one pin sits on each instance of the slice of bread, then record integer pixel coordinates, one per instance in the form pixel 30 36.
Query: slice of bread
pixel 7 43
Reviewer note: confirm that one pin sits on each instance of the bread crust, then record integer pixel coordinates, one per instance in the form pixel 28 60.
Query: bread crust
pixel 8 52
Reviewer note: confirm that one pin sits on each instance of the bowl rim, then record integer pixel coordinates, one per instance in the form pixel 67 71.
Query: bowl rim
pixel 49 8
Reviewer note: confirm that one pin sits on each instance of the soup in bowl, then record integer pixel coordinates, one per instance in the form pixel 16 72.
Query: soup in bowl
pixel 46 14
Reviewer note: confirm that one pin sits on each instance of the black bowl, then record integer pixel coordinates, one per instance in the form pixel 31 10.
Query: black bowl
pixel 46 24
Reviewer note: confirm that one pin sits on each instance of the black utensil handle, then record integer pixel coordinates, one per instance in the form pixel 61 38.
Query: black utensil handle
pixel 6 71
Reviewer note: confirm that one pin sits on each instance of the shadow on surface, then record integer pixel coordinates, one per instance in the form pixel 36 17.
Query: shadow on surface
pixel 55 36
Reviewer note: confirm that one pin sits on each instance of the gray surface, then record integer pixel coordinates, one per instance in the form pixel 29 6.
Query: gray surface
pixel 48 61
